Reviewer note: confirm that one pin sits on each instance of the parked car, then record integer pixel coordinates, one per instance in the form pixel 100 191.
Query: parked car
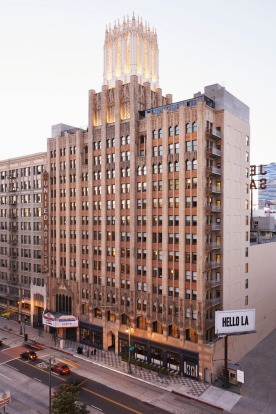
pixel 60 368
pixel 30 355
pixel 1 342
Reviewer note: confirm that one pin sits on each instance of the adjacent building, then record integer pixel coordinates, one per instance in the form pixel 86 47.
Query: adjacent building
pixel 22 280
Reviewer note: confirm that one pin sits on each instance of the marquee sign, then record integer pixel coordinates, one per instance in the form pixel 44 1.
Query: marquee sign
pixel 60 321
pixel 235 322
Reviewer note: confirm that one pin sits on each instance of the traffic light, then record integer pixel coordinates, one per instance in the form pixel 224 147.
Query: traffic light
pixel 26 319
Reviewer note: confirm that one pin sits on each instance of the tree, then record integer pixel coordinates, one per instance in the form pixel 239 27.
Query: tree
pixel 66 401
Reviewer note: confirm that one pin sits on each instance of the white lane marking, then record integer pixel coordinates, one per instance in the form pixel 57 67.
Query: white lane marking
pixel 15 369
pixel 37 379
pixel 97 408
pixel 6 377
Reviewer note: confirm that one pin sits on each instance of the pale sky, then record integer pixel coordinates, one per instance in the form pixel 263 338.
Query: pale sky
pixel 52 54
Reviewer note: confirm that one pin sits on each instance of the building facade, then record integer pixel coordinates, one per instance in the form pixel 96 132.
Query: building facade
pixel 267 195
pixel 149 213
pixel 22 280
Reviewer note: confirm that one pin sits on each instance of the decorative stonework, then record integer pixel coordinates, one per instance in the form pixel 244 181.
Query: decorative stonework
pixel 131 49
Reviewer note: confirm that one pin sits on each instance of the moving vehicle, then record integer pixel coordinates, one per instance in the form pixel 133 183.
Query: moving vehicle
pixel 60 368
pixel 30 355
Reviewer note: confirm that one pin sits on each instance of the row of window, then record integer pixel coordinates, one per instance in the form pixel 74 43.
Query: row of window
pixel 22 172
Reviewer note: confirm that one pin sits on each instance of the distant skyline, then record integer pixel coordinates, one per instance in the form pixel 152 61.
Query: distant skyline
pixel 52 55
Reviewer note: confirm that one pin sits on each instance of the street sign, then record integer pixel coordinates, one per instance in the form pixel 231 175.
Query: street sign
pixel 131 348
pixel 5 398
pixel 240 376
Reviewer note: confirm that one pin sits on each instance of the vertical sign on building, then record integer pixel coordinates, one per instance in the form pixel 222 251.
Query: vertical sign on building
pixel 45 222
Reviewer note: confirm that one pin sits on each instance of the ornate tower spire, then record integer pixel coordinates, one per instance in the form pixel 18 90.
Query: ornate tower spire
pixel 131 48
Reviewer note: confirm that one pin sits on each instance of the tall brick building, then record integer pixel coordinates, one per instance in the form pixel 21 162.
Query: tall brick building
pixel 149 212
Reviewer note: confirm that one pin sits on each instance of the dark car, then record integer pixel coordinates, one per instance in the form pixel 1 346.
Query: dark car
pixel 60 368
pixel 30 355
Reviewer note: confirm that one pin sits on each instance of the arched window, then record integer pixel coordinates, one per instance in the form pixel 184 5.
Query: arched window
pixel 98 313
pixel 195 126
pixel 194 165
pixel 176 129
pixel 123 172
pixel 160 133
pixel 188 128
pixel 154 134
pixel 144 305
pixel 144 170
pixel 174 331
pixel 160 168
pixel 128 172
pixel 157 327
pixel 188 165
pixel 139 307
pixel 141 322
pixel 170 166
pixel 124 319
pixel 154 169
pixel 176 166
pixel 139 171
pixel 170 131
pixel 111 316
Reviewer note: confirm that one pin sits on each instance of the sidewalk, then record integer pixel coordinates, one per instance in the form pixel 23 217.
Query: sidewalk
pixel 186 387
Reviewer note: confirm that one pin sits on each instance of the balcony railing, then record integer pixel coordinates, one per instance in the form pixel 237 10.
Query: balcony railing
pixel 216 133
pixel 213 151
pixel 213 302
pixel 212 283
pixel 213 189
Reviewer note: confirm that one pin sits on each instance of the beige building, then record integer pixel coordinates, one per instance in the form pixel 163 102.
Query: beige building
pixel 22 282
pixel 142 221
pixel 149 213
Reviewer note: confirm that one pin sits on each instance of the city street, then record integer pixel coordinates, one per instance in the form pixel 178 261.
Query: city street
pixel 104 390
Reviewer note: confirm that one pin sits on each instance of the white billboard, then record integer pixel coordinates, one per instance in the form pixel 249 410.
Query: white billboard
pixel 234 321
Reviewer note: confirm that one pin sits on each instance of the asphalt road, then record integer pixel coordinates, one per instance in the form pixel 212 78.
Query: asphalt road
pixel 94 394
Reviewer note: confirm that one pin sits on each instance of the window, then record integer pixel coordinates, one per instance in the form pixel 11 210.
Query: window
pixel 195 126
pixel 170 131
pixel 246 284
pixel 188 146
pixel 176 130
pixel 188 128
pixel 154 134
pixel 160 133
pixel 246 300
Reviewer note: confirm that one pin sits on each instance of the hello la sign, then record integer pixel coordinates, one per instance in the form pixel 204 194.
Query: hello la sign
pixel 235 322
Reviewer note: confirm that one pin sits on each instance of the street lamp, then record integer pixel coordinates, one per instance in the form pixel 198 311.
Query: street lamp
pixel 129 329
pixel 20 313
